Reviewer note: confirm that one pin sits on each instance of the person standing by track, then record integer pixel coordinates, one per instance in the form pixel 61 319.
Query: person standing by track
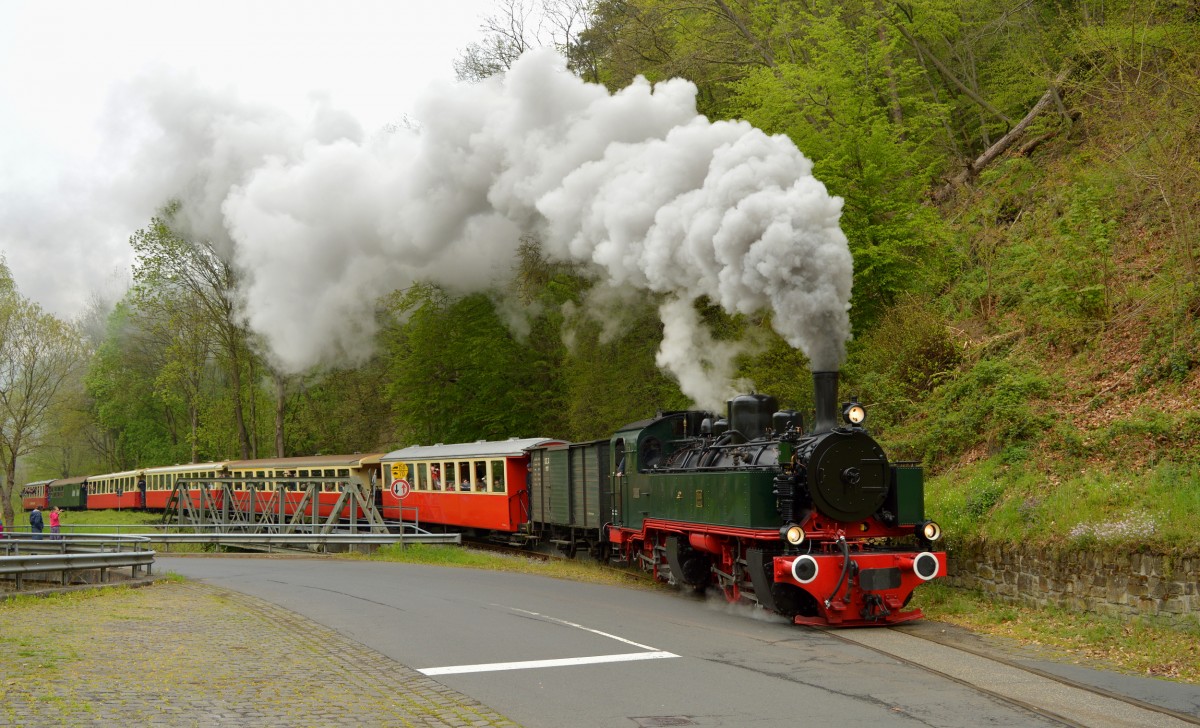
pixel 55 516
pixel 35 523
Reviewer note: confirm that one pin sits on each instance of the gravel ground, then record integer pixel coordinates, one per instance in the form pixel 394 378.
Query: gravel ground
pixel 188 654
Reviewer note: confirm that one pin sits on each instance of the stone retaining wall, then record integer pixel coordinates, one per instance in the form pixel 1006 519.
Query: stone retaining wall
pixel 1156 585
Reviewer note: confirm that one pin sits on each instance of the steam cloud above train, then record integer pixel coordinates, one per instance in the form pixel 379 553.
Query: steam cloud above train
pixel 322 218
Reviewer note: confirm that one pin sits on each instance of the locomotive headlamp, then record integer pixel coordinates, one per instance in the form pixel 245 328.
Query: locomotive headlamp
pixel 854 413
pixel 792 533
pixel 931 531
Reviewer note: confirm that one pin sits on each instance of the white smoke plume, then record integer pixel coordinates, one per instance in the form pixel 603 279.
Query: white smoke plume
pixel 635 185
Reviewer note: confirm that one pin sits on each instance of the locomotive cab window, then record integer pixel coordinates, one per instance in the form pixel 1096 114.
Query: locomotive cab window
pixel 650 454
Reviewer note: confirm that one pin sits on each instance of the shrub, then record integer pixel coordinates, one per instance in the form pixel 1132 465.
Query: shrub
pixel 994 403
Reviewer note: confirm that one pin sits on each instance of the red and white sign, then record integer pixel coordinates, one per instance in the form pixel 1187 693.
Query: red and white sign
pixel 400 488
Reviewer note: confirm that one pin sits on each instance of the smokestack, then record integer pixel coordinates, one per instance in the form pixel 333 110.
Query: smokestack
pixel 825 392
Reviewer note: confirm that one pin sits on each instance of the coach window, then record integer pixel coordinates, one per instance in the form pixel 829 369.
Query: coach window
pixel 497 470
pixel 450 477
pixel 422 475
pixel 464 476
pixel 480 481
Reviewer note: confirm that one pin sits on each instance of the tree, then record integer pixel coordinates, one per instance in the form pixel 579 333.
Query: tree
pixel 39 357
pixel 190 285
pixel 521 25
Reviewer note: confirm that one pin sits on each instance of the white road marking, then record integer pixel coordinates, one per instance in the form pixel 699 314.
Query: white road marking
pixel 531 664
pixel 651 654
pixel 585 629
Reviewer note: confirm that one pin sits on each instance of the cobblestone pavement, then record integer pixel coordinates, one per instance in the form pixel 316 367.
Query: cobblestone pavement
pixel 190 654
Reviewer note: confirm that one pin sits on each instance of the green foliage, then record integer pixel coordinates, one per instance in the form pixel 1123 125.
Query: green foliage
pixel 842 100
pixel 1084 508
pixel 121 384
pixel 994 403
pixel 982 500
pixel 1171 349
pixel 340 411
pixel 1064 273
pixel 457 374
pixel 899 361
pixel 614 381
pixel 1149 435
pixel 781 371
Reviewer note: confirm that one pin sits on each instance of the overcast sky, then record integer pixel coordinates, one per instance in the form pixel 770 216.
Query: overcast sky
pixel 60 61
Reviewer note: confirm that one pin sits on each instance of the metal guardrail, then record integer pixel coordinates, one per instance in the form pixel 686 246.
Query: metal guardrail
pixel 249 534
pixel 71 555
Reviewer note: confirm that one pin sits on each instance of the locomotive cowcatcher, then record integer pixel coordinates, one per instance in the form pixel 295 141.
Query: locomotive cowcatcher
pixel 815 525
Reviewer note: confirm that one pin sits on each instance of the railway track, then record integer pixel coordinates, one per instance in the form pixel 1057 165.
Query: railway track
pixel 1012 680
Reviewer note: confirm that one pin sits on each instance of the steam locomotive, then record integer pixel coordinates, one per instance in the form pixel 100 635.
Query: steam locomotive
pixel 815 525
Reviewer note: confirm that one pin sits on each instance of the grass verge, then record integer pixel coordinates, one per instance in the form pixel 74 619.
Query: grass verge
pixel 583 571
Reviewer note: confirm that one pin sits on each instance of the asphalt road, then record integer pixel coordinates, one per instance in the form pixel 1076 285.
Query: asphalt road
pixel 549 653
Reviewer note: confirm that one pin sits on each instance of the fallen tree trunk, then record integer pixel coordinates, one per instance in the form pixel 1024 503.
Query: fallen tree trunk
pixel 1002 145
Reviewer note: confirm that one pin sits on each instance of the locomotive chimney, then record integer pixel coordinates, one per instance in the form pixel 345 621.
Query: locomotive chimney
pixel 825 392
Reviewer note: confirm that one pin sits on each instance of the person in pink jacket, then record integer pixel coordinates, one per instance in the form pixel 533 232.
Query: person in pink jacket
pixel 55 516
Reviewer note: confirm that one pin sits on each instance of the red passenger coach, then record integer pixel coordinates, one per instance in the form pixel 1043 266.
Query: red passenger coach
pixel 277 484
pixel 36 495
pixel 115 491
pixel 481 485
pixel 161 481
